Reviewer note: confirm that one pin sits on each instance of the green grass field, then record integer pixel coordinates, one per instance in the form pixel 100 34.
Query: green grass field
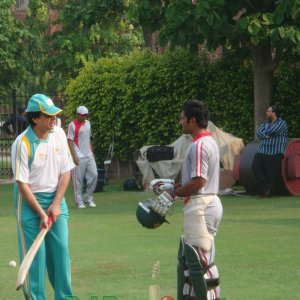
pixel 258 248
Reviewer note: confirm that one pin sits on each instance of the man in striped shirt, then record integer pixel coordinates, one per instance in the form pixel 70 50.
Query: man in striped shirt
pixel 273 136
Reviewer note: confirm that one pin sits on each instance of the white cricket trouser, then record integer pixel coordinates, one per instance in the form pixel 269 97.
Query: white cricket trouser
pixel 213 212
pixel 87 169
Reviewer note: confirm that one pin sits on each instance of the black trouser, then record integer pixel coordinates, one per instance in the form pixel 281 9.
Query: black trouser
pixel 266 169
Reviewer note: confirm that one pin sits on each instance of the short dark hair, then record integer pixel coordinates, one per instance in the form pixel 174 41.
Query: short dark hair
pixel 198 110
pixel 32 115
pixel 275 109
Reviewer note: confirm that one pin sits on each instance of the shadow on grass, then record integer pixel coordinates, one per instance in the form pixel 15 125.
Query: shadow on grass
pixel 273 221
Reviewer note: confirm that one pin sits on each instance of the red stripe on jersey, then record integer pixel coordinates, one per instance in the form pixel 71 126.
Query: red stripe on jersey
pixel 199 158
pixel 77 128
pixel 197 142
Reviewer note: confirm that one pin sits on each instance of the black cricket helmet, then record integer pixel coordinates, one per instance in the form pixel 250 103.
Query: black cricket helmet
pixel 147 217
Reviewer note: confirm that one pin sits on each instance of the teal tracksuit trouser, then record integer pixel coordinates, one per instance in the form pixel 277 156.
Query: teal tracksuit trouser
pixel 53 255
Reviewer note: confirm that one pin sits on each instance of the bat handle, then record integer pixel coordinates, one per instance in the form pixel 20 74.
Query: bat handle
pixel 50 220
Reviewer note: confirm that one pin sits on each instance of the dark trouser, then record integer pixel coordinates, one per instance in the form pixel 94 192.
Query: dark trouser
pixel 266 169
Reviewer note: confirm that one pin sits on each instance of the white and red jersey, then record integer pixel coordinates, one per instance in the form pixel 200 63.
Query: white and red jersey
pixel 41 162
pixel 202 159
pixel 80 134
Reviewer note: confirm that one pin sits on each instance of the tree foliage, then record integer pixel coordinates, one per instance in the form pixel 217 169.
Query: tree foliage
pixel 84 31
pixel 268 29
pixel 223 22
pixel 58 37
pixel 14 39
pixel 287 94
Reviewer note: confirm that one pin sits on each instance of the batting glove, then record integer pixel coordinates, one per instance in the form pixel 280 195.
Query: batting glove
pixel 163 202
pixel 158 186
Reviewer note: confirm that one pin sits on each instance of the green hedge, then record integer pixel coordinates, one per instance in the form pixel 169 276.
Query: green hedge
pixel 136 100
pixel 287 96
pixel 230 97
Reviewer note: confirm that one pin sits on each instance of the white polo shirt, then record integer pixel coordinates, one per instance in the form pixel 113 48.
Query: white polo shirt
pixel 41 162
pixel 14 149
pixel 202 159
pixel 80 134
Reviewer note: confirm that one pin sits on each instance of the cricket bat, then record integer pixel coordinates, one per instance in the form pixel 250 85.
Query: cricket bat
pixel 28 259
pixel 154 291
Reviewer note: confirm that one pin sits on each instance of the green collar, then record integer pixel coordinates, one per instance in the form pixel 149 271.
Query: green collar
pixel 33 138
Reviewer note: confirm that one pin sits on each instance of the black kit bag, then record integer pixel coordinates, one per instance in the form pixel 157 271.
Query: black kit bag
pixel 130 185
pixel 100 180
pixel 162 152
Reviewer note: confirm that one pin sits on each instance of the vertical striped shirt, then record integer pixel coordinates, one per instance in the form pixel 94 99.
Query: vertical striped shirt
pixel 273 137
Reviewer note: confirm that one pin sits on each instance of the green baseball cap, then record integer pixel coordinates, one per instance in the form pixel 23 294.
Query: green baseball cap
pixel 44 104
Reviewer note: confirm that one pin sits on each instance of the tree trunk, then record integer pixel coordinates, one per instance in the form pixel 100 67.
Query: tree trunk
pixel 151 40
pixel 263 82
pixel 147 35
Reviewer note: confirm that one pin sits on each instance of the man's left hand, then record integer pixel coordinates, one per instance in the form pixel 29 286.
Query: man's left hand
pixel 158 186
pixel 54 210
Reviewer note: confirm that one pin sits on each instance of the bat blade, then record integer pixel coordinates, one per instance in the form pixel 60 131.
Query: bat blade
pixel 28 259
pixel 154 292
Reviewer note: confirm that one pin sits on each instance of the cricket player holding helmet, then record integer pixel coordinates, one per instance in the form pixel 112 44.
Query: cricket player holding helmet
pixel 197 275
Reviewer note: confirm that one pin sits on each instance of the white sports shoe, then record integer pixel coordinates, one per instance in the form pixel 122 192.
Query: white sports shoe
pixel 90 202
pixel 80 205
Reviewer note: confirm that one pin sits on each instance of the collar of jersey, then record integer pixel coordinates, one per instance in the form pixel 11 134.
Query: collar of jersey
pixel 32 136
pixel 201 135
pixel 79 123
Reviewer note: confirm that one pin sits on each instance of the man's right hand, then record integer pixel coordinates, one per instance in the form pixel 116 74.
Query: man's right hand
pixel 76 160
pixel 46 221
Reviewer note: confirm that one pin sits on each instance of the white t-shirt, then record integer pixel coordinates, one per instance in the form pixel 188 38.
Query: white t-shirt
pixel 202 159
pixel 41 162
pixel 80 134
